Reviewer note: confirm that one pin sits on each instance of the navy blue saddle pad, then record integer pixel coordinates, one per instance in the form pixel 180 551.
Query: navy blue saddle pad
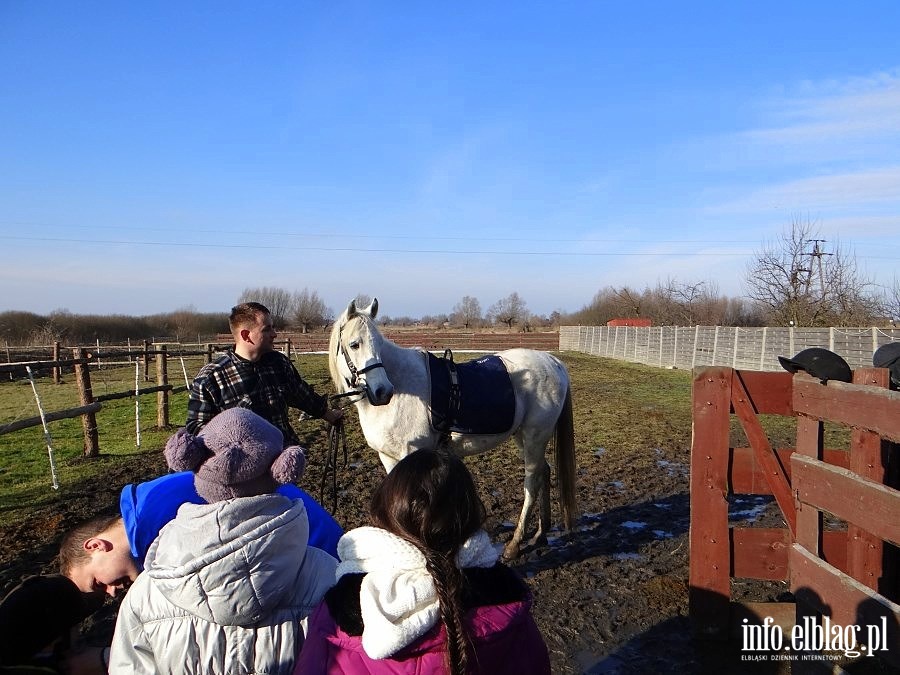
pixel 487 403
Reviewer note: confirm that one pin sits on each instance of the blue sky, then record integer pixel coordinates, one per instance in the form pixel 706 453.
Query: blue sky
pixel 158 155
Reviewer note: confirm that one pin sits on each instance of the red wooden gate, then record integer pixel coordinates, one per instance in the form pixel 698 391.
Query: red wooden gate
pixel 850 575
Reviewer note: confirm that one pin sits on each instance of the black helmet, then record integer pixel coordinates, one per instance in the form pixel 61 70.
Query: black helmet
pixel 820 363
pixel 888 356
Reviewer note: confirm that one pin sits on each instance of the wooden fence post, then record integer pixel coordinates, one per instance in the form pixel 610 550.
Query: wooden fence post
pixel 209 353
pixel 56 370
pixel 146 360
pixel 709 594
pixel 162 396
pixel 869 459
pixel 88 420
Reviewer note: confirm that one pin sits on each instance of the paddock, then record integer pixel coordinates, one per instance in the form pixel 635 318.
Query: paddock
pixel 612 599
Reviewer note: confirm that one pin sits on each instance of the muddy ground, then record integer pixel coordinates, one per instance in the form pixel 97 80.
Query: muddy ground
pixel 609 598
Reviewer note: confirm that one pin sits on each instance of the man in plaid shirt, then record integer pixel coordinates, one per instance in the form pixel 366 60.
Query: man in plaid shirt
pixel 254 375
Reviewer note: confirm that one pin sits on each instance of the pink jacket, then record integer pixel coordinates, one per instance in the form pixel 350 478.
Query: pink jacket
pixel 505 637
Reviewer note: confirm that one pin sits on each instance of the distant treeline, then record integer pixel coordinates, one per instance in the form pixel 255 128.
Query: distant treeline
pixel 28 328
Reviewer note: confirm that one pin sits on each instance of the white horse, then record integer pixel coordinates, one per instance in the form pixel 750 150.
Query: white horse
pixel 393 384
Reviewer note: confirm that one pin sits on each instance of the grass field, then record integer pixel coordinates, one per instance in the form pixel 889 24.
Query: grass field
pixel 25 475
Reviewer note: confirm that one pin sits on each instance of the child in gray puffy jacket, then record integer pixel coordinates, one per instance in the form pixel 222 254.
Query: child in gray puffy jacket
pixel 226 584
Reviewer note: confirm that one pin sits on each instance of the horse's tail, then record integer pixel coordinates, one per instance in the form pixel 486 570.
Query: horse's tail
pixel 565 462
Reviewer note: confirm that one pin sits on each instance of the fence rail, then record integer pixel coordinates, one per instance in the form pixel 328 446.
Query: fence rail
pixel 83 359
pixel 90 404
pixel 730 346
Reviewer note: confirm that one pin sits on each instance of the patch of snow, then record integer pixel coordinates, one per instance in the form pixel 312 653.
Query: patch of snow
pixel 627 556
pixel 633 525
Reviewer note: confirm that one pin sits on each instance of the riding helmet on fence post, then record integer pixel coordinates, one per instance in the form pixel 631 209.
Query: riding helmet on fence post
pixel 888 356
pixel 820 363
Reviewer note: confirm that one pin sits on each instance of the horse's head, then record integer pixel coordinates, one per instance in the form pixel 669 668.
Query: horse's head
pixel 355 354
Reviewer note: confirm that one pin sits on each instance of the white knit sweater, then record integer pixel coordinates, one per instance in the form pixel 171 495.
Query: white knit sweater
pixel 398 600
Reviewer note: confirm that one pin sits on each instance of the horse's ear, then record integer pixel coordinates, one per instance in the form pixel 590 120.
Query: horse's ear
pixel 373 308
pixel 351 308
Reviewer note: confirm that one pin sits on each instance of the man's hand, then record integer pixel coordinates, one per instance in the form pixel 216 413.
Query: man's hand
pixel 333 416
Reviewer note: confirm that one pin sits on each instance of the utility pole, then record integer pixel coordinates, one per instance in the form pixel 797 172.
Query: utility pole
pixel 817 253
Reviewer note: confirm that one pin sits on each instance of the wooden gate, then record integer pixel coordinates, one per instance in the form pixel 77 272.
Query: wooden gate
pixel 850 575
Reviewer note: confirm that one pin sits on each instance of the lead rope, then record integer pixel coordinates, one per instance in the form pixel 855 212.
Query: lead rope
pixel 337 441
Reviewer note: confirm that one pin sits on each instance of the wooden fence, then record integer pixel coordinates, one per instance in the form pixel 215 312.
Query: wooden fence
pixel 433 340
pixel 41 357
pixel 83 359
pixel 50 360
pixel 735 347
pixel 90 405
pixel 850 575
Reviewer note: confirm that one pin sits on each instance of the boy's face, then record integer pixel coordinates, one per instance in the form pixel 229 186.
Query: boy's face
pixel 106 571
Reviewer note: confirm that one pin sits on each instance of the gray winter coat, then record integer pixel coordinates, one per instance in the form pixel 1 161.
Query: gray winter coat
pixel 224 589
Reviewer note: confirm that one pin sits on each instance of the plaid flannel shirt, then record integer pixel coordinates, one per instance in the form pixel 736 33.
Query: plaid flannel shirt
pixel 267 387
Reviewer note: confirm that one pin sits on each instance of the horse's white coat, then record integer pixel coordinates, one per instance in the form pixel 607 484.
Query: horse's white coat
pixel 394 413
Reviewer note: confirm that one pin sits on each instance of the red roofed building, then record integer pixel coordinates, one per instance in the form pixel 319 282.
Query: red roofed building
pixel 642 323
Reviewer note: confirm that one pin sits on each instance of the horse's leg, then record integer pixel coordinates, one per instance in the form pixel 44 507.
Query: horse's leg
pixel 536 481
pixel 540 537
pixel 387 461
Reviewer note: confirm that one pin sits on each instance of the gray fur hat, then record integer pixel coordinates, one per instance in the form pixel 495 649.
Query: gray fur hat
pixel 237 454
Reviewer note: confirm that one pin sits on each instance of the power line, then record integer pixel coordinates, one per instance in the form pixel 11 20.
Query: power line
pixel 356 249
pixel 433 251
pixel 400 237
pixel 417 237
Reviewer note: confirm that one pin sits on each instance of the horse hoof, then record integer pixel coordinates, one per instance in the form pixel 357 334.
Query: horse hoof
pixel 537 541
pixel 510 552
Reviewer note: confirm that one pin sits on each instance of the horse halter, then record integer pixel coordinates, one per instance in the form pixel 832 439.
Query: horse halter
pixel 354 371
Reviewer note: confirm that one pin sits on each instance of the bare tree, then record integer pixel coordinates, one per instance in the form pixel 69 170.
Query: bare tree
pixel 801 283
pixel 670 303
pixel 16 326
pixel 509 310
pixel 185 321
pixel 891 302
pixel 44 335
pixel 437 320
pixel 277 300
pixel 612 303
pixel 629 301
pixel 309 310
pixel 528 321
pixel 743 312
pixel 688 303
pixel 467 312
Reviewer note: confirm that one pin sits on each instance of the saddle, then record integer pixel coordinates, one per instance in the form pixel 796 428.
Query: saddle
pixel 475 397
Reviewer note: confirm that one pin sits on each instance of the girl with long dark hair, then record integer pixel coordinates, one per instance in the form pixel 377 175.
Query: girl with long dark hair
pixel 421 589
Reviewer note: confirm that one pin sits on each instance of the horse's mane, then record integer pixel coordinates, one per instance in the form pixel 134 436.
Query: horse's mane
pixel 333 352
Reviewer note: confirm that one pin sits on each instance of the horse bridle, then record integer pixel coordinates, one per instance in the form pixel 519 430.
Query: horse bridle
pixel 354 371
pixel 337 438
